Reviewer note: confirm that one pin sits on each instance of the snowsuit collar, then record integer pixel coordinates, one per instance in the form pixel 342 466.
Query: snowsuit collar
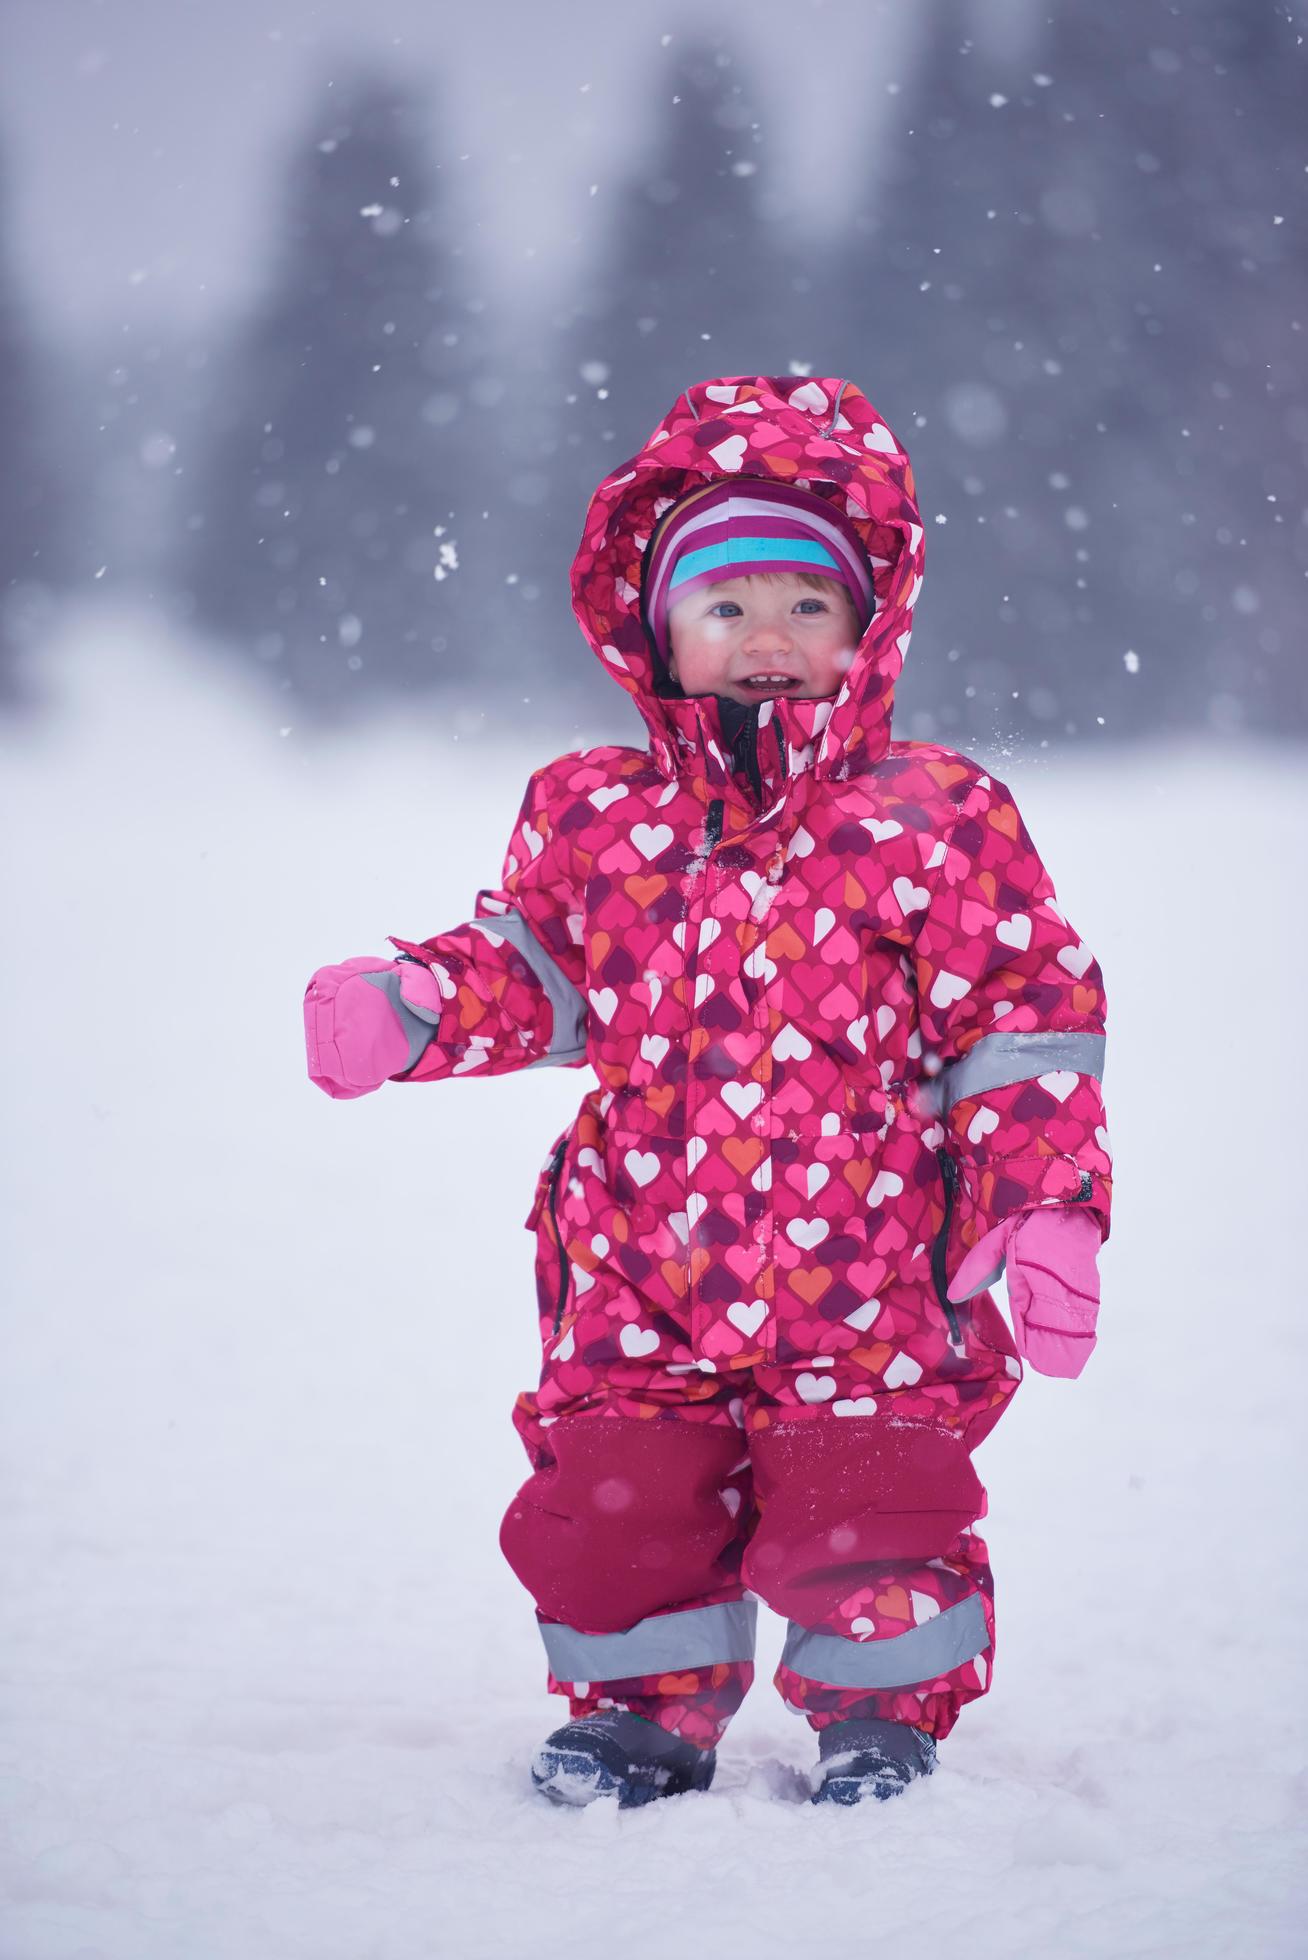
pixel 823 435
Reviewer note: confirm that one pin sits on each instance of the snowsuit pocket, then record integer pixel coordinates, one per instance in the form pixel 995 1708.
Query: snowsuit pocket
pixel 553 1267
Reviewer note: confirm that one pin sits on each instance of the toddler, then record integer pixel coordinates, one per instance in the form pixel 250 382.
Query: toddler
pixel 848 1053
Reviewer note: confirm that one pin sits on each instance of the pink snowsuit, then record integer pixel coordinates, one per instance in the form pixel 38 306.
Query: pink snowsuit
pixel 841 1030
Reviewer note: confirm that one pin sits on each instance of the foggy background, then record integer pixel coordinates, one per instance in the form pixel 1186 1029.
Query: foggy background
pixel 319 323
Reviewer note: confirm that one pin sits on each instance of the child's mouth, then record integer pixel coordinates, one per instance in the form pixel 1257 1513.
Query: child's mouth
pixel 769 683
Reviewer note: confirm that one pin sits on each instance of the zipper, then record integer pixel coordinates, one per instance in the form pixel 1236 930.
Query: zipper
pixel 940 1248
pixel 565 1264
pixel 713 822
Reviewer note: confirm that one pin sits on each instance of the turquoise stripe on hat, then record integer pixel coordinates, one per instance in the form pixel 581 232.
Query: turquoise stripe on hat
pixel 715 557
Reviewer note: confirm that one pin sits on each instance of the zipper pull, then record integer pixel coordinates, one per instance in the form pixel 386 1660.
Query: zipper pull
pixel 717 810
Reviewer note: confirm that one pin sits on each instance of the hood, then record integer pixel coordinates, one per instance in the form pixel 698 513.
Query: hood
pixel 822 435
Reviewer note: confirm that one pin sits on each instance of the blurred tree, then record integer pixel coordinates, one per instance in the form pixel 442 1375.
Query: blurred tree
pixel 698 274
pixel 330 526
pixel 33 523
pixel 1036 288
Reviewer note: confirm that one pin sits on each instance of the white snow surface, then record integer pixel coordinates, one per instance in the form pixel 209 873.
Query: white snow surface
pixel 270 1690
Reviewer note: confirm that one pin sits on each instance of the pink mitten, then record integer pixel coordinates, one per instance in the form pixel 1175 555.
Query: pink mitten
pixel 367 1020
pixel 1053 1283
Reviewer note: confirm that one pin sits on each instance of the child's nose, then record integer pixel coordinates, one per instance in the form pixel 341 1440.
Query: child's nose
pixel 767 636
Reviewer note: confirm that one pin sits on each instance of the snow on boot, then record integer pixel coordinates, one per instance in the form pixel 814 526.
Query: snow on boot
pixel 617 1754
pixel 871 1758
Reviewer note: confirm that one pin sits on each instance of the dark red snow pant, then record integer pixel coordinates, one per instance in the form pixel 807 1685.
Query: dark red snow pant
pixel 642 1542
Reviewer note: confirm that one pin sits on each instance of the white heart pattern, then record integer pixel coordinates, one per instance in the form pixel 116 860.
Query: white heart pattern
pixel 863 1316
pixel 791 1046
pixel 1060 1083
pixel 651 839
pixel 742 1097
pixel 747 1315
pixel 729 454
pixel 1076 959
pixel 902 1372
pixel 605 1003
pixel 1015 931
pixel 947 987
pixel 807 1232
pixel 815 1388
pixel 808 395
pixel 908 896
pixel 642 1166
pixel 636 1342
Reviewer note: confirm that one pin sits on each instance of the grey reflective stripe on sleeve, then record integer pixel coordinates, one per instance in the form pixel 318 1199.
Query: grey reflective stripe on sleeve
pixel 568 1038
pixel 699 1638
pixel 998 1059
pixel 418 1024
pixel 982 1286
pixel 923 1654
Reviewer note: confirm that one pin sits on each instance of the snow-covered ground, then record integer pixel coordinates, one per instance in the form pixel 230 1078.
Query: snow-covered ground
pixel 270 1692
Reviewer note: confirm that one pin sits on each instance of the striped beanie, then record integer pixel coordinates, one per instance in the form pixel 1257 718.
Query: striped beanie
pixel 750 524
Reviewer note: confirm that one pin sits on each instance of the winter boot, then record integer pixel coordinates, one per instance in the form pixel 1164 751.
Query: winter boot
pixel 617 1754
pixel 870 1759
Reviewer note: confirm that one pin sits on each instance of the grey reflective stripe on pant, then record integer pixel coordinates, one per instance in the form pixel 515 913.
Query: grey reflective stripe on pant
pixel 568 1038
pixel 998 1059
pixel 922 1654
pixel 699 1638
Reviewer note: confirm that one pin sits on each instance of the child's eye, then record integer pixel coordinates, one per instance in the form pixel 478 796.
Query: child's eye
pixel 724 602
pixel 821 604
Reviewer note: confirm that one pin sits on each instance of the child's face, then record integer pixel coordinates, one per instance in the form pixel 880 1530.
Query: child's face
pixel 756 638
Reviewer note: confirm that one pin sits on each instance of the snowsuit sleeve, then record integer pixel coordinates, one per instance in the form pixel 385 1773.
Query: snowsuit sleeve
pixel 512 978
pixel 1012 1011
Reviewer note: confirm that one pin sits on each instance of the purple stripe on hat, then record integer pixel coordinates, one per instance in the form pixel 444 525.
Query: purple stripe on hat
pixel 748 509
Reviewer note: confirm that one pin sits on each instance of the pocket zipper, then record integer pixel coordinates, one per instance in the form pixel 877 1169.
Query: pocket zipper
pixel 565 1264
pixel 940 1247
